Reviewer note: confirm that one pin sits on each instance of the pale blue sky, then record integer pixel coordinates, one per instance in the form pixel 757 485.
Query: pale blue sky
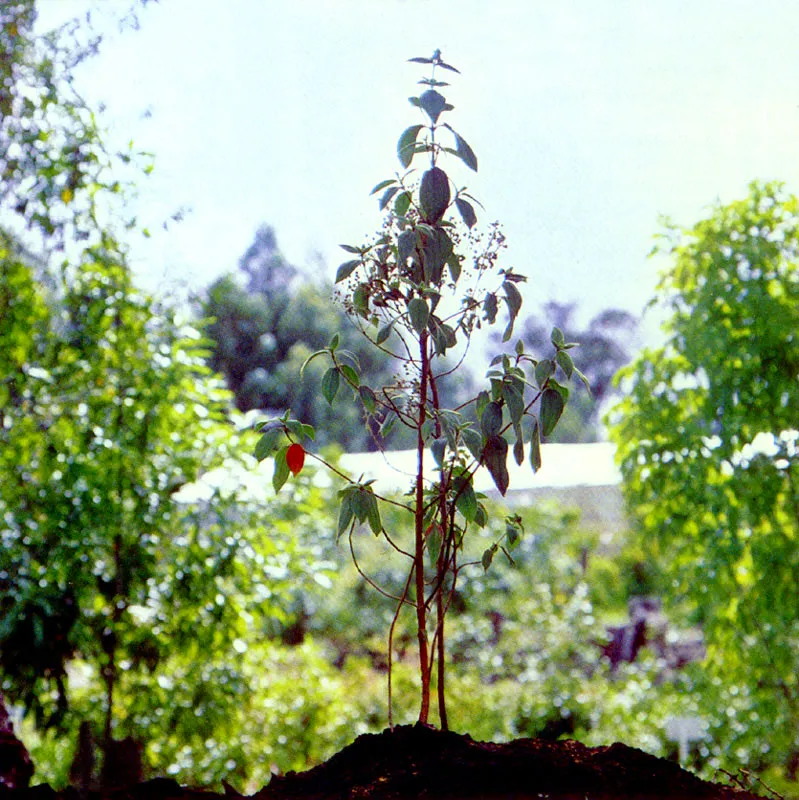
pixel 590 119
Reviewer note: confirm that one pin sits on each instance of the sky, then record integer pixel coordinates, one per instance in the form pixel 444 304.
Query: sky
pixel 590 119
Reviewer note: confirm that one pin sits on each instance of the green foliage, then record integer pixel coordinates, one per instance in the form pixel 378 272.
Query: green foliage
pixel 604 349
pixel 118 605
pixel 263 332
pixel 53 176
pixel 707 437
pixel 417 291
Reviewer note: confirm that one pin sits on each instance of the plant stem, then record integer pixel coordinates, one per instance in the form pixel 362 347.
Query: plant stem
pixel 421 610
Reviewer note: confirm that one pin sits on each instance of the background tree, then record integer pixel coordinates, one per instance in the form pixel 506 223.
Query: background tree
pixel 264 330
pixel 106 410
pixel 707 442
pixel 605 347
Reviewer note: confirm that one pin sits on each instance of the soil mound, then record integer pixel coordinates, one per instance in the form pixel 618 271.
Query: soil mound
pixel 422 762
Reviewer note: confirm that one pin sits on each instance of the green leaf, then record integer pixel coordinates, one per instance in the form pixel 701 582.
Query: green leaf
pixel 441 64
pixel 585 380
pixel 281 473
pixel 557 337
pixel 419 314
pixel 433 539
pixel 350 375
pixel 407 143
pixel 544 370
pixel 406 243
pixel 513 396
pixel 373 513
pixel 438 448
pixel 360 300
pixel 466 499
pixel 466 210
pixel 384 332
pixel 444 335
pixel 346 269
pixel 490 306
pixel 437 249
pixel 565 362
pixel 495 457
pixel 518 450
pixel 434 195
pixel 473 441
pixel 387 195
pixel 310 359
pixel 432 82
pixel 513 297
pixel 432 102
pixel 345 514
pixel 454 264
pixel 368 398
pixel 552 405
pixel 334 342
pixel 388 423
pixel 463 151
pixel 514 301
pixel 491 420
pixel 564 390
pixel 450 421
pixel 402 204
pixel 488 557
pixel 267 444
pixel 379 187
pixel 535 447
pixel 350 249
pixel 330 382
pixel 481 401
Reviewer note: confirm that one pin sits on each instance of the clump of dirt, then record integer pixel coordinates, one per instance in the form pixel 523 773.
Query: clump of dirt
pixel 415 762
pixel 422 762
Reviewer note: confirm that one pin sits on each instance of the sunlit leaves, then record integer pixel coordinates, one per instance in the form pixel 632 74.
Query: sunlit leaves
pixel 726 373
pixel 358 503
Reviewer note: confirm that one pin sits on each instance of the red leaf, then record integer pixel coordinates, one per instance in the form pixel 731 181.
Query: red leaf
pixel 295 458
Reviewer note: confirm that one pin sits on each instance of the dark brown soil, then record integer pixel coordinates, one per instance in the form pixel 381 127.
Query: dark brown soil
pixel 421 762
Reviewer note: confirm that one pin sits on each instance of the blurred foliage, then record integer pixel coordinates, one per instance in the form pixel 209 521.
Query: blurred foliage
pixel 118 606
pixel 264 328
pixel 707 442
pixel 605 346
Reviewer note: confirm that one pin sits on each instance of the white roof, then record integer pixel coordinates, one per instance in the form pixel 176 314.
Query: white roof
pixel 563 466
